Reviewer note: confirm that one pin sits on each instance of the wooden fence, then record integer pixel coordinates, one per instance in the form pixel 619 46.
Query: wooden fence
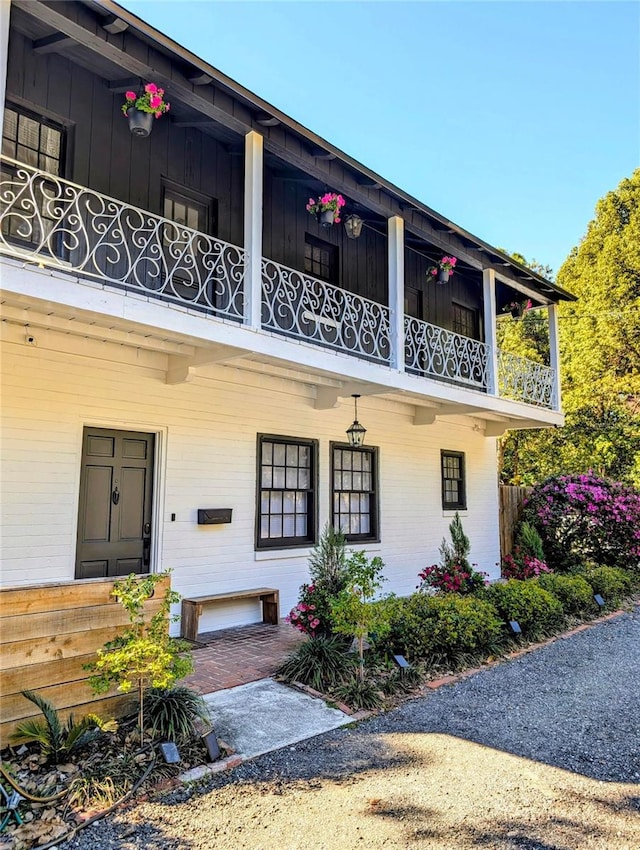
pixel 511 499
pixel 47 633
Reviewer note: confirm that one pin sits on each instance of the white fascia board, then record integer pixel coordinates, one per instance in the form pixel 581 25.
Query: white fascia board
pixel 57 289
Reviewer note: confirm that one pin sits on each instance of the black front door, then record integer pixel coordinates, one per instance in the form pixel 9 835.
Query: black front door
pixel 116 488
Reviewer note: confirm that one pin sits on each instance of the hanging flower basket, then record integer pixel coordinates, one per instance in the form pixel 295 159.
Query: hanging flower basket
pixel 326 208
pixel 443 270
pixel 140 123
pixel 141 109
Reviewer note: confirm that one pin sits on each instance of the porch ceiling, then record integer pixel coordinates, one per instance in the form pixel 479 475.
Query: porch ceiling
pixel 334 377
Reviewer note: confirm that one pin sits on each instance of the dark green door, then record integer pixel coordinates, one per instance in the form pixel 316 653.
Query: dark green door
pixel 116 488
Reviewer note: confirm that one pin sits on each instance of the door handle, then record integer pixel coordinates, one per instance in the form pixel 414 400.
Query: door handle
pixel 115 496
pixel 146 551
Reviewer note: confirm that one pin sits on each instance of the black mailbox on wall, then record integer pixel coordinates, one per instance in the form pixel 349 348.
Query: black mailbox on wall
pixel 214 516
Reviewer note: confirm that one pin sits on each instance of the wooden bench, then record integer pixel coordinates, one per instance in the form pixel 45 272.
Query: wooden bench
pixel 192 608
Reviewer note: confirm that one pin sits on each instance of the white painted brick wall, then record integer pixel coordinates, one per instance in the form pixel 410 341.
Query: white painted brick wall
pixel 210 426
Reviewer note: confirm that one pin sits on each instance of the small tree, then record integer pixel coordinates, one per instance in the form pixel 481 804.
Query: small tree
pixel 456 555
pixel 144 655
pixel 354 612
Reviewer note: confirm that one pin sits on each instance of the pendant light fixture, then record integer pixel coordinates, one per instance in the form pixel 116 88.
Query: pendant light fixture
pixel 356 431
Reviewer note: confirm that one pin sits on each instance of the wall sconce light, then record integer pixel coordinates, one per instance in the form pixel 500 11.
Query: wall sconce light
pixel 356 431
pixel 353 226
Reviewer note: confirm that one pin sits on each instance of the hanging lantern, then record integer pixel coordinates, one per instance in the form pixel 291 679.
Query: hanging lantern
pixel 356 431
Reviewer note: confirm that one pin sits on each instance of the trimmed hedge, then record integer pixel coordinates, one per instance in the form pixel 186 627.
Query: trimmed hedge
pixel 537 611
pixel 611 583
pixel 573 592
pixel 450 628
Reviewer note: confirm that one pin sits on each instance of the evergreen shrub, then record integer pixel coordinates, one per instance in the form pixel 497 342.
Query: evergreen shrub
pixel 612 584
pixel 573 592
pixel 537 611
pixel 446 629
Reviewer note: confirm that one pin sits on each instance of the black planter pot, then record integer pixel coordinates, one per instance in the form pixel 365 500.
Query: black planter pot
pixel 443 276
pixel 515 312
pixel 140 123
pixel 326 218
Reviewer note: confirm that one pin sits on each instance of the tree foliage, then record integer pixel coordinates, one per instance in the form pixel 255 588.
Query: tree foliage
pixel 600 354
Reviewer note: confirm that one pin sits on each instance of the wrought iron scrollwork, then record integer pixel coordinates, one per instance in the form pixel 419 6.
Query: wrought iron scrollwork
pixel 524 380
pixel 73 228
pixel 437 352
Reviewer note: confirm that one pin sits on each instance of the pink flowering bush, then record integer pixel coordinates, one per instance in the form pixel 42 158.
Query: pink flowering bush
pixel 453 578
pixel 151 100
pixel 519 565
pixel 311 615
pixel 585 517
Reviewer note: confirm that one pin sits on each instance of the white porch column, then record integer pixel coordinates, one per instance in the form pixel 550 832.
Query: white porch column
pixel 253 194
pixel 4 55
pixel 489 300
pixel 396 291
pixel 554 354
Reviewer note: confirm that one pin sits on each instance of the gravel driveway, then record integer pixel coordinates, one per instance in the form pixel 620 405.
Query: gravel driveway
pixel 541 753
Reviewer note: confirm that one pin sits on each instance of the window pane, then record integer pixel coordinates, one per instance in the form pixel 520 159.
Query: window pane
pixel 275 526
pixel 289 526
pixel 8 148
pixel 10 127
pixel 28 132
pixel 366 481
pixel 366 461
pixel 50 141
pixel 28 155
pixel 364 524
pixel 276 502
pixel 354 503
pixel 292 478
pixel 267 452
pixel 267 478
pixel 357 481
pixel 346 460
pixel 337 481
pixel 292 455
pixel 304 480
pixel 301 526
pixel 365 504
pixel 193 218
pixel 346 481
pixel 357 460
pixel 301 502
pixel 264 526
pixel 278 477
pixel 279 454
pixel 354 525
pixel 337 459
pixel 264 503
pixel 289 503
pixel 344 503
pixel 304 456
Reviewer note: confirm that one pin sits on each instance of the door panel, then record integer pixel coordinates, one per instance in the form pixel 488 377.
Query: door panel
pixel 116 489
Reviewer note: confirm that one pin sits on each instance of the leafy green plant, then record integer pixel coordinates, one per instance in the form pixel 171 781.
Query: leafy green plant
pixel 321 663
pixel 573 592
pixel 449 629
pixel 328 571
pixel 611 583
pixel 454 573
pixel 144 654
pixel 529 541
pixel 354 612
pixel 58 740
pixel 360 692
pixel 174 714
pixel 537 611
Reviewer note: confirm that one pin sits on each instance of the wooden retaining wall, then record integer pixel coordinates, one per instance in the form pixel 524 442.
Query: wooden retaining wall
pixel 511 499
pixel 47 633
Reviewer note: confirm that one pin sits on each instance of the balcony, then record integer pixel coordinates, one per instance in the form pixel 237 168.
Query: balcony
pixel 55 223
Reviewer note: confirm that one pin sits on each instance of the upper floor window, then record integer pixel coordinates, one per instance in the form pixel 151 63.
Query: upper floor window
pixel 33 140
pixel 320 259
pixel 286 491
pixel 354 487
pixel 465 321
pixel 454 495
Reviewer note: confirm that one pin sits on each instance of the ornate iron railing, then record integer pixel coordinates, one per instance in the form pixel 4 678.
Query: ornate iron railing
pixel 70 227
pixel 526 380
pixel 436 352
pixel 298 305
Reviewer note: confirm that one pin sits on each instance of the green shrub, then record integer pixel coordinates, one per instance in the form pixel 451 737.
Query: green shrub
pixel 611 583
pixel 173 714
pixel 537 611
pixel 58 740
pixel 321 662
pixel 529 541
pixel 446 629
pixel 573 592
pixel 360 693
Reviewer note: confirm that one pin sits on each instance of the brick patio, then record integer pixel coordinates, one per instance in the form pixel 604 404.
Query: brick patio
pixel 240 655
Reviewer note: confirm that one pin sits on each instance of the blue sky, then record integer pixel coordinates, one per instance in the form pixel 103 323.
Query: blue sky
pixel 511 118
